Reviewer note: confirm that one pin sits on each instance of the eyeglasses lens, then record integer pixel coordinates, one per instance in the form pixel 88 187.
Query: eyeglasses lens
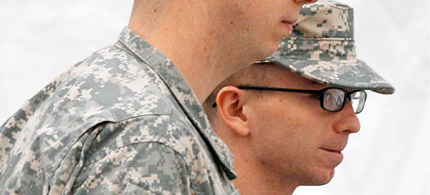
pixel 333 99
pixel 358 99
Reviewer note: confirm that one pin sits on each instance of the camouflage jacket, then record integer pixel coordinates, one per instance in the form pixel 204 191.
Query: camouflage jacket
pixel 123 121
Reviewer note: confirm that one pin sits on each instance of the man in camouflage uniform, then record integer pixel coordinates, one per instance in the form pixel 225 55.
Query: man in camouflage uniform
pixel 287 119
pixel 127 120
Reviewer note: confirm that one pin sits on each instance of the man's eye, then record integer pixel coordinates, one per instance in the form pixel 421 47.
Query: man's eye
pixel 317 96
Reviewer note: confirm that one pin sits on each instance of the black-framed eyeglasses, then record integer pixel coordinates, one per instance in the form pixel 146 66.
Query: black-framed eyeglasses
pixel 332 98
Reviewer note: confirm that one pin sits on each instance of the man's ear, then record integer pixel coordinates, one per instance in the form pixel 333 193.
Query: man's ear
pixel 230 102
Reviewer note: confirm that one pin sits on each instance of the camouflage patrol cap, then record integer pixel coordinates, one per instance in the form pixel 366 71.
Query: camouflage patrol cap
pixel 321 48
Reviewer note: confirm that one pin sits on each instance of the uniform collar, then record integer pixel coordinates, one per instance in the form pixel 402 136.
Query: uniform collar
pixel 182 92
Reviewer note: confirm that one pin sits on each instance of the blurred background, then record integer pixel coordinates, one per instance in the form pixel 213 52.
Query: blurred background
pixel 389 156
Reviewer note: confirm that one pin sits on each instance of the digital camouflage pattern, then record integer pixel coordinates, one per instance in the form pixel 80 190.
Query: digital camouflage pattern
pixel 123 121
pixel 322 49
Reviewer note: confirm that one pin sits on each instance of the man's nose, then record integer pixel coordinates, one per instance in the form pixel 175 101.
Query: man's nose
pixel 347 121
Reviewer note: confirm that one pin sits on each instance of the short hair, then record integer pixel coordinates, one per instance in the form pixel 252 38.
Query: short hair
pixel 256 74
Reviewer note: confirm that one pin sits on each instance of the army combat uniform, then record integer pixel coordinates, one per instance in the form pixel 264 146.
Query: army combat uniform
pixel 123 121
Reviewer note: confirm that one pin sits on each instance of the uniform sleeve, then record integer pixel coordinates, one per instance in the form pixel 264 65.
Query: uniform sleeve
pixel 139 168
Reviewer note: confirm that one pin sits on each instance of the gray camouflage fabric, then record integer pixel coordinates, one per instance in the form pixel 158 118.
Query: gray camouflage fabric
pixel 123 121
pixel 322 49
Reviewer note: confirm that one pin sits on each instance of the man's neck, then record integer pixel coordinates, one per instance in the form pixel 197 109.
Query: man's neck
pixel 254 176
pixel 193 44
pixel 251 181
pixel 198 61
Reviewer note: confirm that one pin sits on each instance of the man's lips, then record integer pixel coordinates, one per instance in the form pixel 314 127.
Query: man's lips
pixel 333 157
pixel 333 150
pixel 289 22
pixel 334 145
pixel 288 25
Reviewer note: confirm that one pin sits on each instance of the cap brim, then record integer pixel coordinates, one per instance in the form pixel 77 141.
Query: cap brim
pixel 351 74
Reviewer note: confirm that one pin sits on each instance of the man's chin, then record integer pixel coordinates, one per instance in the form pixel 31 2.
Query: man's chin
pixel 270 49
pixel 318 180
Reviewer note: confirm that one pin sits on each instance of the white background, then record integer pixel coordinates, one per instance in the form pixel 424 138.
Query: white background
pixel 389 156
